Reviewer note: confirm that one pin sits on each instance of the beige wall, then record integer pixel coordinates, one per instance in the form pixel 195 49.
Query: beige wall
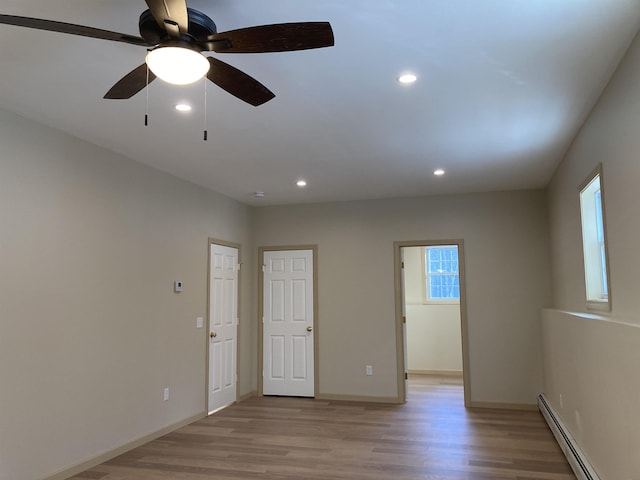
pixel 593 361
pixel 506 248
pixel 433 330
pixel 90 329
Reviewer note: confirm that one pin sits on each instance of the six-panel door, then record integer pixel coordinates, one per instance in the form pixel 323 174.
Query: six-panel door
pixel 288 356
pixel 223 326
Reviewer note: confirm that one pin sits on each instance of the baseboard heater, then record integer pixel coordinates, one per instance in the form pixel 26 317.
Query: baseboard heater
pixel 574 454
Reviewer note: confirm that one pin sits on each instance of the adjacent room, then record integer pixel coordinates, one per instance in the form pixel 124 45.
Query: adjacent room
pixel 236 245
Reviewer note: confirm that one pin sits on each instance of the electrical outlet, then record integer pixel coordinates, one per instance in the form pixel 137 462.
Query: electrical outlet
pixel 166 394
pixel 369 370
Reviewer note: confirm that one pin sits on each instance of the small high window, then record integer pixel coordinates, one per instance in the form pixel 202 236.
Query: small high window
pixel 442 280
pixel 594 242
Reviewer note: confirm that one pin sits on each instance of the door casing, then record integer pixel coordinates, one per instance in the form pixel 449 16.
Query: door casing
pixel 316 336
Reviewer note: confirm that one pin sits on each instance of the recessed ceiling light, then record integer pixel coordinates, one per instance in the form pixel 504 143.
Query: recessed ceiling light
pixel 183 107
pixel 407 78
pixel 439 172
pixel 301 183
pixel 258 194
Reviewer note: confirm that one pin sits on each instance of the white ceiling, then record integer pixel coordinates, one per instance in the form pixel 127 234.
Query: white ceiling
pixel 503 87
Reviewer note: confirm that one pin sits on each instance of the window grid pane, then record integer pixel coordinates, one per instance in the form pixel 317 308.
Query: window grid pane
pixel 600 234
pixel 599 223
pixel 442 278
pixel 593 243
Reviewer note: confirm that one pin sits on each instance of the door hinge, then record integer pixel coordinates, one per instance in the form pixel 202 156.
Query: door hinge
pixel 406 376
pixel 238 267
pixel 404 319
pixel 402 264
pixel 264 268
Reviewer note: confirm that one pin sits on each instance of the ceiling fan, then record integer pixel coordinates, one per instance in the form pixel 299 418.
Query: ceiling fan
pixel 176 36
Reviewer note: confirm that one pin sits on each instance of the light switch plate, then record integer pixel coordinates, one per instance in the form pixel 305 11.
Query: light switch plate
pixel 199 322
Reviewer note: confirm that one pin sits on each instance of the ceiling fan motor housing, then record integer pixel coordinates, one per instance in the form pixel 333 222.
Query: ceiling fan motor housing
pixel 200 27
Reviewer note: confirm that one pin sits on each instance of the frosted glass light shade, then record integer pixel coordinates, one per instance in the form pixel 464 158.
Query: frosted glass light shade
pixel 177 65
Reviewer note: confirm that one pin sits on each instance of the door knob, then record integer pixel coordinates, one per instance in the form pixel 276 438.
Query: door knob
pixel 309 329
pixel 213 334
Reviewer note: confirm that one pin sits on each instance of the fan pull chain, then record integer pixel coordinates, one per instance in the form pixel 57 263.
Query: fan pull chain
pixel 146 107
pixel 205 109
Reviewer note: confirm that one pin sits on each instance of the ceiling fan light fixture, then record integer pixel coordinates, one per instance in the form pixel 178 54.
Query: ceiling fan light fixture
pixel 177 65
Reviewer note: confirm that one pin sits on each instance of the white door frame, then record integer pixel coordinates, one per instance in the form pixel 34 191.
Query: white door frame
pixel 215 241
pixel 401 320
pixel 316 336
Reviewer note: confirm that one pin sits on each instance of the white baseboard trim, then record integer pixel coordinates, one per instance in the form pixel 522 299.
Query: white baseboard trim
pixel 575 456
pixel 106 456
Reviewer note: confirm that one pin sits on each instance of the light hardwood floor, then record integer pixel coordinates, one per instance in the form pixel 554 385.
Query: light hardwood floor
pixel 431 437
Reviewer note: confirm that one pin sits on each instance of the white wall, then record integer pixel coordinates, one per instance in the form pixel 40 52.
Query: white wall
pixel 90 329
pixel 433 330
pixel 593 362
pixel 506 248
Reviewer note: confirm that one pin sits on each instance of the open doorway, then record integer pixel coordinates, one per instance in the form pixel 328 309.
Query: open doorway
pixel 432 310
pixel 431 313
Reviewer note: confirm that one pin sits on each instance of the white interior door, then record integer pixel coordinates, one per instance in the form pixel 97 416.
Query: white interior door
pixel 288 349
pixel 223 326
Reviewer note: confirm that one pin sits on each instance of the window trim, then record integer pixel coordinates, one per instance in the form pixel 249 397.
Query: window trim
pixel 603 303
pixel 425 277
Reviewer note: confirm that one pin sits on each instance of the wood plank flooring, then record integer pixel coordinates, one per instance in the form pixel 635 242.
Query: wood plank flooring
pixel 431 437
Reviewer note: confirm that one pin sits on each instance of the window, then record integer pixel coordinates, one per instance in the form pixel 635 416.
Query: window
pixel 442 279
pixel 594 242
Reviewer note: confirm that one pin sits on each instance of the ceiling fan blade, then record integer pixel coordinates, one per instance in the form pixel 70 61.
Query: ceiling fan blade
pixel 238 83
pixel 70 28
pixel 281 37
pixel 131 83
pixel 171 15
